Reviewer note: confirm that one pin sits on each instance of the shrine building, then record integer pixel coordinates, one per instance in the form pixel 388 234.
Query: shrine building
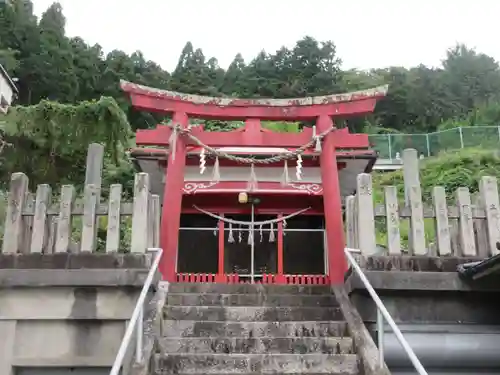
pixel 252 205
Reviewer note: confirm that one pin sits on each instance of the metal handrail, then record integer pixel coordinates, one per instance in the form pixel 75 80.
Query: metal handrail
pixel 383 314
pixel 136 321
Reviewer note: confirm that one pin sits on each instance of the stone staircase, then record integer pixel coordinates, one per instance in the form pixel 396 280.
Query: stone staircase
pixel 253 329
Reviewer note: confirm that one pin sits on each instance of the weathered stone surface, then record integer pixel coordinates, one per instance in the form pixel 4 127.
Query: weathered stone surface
pixel 254 329
pixel 74 261
pixel 249 288
pixel 247 313
pixel 256 299
pixel 414 263
pixel 367 351
pixel 341 364
pixel 191 328
pixel 423 281
pixel 252 345
pixel 40 278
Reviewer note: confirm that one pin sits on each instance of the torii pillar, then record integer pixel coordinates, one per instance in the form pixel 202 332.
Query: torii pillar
pixel 172 202
pixel 335 242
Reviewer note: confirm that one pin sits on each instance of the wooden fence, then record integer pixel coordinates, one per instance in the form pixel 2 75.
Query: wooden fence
pixel 468 227
pixel 33 224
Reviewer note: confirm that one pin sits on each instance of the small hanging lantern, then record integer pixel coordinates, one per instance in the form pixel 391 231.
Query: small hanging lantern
pixel 243 197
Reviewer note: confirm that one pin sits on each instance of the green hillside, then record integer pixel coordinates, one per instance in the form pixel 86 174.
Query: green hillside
pixel 450 170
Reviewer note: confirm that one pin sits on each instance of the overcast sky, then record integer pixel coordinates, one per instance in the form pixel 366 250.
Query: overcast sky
pixel 368 33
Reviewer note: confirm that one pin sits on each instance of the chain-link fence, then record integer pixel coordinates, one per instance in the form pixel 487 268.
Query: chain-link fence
pixel 391 146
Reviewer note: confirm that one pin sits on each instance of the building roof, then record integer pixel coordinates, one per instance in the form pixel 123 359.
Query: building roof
pixel 480 269
pixel 4 73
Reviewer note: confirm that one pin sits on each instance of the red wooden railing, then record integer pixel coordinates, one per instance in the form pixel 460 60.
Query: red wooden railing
pixel 266 279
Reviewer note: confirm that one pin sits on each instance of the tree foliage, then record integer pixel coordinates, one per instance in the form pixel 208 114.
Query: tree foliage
pixel 450 170
pixel 56 136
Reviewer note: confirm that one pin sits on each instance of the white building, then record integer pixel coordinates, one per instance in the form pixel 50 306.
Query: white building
pixel 8 90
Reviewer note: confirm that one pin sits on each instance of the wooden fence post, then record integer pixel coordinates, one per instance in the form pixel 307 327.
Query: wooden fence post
pixel 15 204
pixel 465 224
pixel 154 221
pixel 89 222
pixel 417 229
pixel 441 222
pixel 366 219
pixel 392 219
pixel 350 218
pixel 27 223
pixel 480 226
pixel 41 220
pixel 488 188
pixel 113 232
pixel 139 241
pixel 64 228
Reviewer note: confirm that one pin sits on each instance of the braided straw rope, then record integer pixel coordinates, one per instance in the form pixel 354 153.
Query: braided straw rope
pixel 245 160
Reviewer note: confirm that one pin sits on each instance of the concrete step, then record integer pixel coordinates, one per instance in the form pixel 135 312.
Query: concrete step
pixel 256 299
pixel 241 314
pixel 203 288
pixel 339 364
pixel 193 328
pixel 262 345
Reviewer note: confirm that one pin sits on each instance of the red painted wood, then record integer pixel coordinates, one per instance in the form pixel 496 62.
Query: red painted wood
pixel 290 113
pixel 172 205
pixel 275 199
pixel 306 162
pixel 250 138
pixel 233 278
pixel 280 278
pixel 266 279
pixel 228 203
pixel 221 277
pixel 263 188
pixel 308 155
pixel 332 206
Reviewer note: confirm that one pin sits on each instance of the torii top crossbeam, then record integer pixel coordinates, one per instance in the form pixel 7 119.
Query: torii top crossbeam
pixel 164 101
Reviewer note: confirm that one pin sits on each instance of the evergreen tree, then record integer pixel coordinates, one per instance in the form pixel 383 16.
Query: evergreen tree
pixel 233 80
pixel 51 63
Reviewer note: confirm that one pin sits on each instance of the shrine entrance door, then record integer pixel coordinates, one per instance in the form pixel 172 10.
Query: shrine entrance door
pixel 250 251
pixel 248 245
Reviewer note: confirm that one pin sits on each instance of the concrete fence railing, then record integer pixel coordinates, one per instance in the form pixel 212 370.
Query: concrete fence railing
pixel 468 227
pixel 33 224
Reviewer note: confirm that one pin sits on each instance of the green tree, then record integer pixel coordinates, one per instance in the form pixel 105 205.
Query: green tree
pixel 51 63
pixel 471 78
pixel 233 80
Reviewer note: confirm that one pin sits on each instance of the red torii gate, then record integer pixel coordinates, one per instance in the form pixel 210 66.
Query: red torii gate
pixel 322 109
